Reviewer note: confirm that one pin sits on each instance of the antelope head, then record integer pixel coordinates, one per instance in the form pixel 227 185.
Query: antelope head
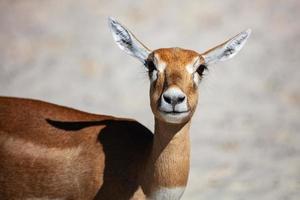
pixel 174 73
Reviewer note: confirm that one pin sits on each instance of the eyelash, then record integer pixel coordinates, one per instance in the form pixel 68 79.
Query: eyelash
pixel 201 69
pixel 150 65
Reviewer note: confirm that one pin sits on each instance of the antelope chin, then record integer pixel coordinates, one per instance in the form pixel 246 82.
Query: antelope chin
pixel 174 117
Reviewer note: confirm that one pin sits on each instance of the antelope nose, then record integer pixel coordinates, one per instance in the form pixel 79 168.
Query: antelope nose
pixel 173 96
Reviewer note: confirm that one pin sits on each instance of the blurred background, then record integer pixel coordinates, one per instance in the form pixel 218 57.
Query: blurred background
pixel 245 134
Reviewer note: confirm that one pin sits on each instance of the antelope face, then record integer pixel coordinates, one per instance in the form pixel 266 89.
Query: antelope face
pixel 174 73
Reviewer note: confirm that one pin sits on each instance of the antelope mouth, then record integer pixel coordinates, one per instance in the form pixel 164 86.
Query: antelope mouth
pixel 174 116
pixel 174 112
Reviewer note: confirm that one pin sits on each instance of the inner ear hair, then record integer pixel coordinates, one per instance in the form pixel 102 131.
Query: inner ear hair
pixel 227 49
pixel 127 41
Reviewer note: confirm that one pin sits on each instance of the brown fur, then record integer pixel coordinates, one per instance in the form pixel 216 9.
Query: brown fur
pixel 50 151
pixel 175 74
pixel 169 163
pixel 106 165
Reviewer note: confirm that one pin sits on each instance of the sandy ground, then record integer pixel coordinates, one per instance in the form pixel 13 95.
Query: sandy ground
pixel 246 132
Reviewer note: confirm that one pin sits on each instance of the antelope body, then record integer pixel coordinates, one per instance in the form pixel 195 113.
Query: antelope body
pixel 54 152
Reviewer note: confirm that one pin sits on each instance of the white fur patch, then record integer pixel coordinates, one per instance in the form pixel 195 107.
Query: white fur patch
pixel 192 66
pixel 153 76
pixel 160 65
pixel 174 118
pixel 196 78
pixel 167 193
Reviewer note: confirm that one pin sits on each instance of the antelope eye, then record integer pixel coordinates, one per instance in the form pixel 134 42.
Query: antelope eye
pixel 201 69
pixel 150 65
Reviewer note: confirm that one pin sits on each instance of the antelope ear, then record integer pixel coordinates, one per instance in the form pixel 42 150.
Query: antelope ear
pixel 127 41
pixel 227 49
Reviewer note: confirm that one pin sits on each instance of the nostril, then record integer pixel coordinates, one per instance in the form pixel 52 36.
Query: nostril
pixel 180 99
pixel 173 100
pixel 173 96
pixel 167 99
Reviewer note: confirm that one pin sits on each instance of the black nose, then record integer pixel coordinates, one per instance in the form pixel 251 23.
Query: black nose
pixel 173 99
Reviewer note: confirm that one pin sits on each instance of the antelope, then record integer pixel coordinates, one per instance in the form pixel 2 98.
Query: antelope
pixel 52 152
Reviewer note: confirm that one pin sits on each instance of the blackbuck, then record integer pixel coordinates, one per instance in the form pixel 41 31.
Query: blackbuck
pixel 52 152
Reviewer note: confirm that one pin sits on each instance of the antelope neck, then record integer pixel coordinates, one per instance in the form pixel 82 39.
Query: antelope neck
pixel 169 160
pixel 168 137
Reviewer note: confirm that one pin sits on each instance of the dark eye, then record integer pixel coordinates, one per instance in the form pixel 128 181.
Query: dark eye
pixel 150 65
pixel 201 69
